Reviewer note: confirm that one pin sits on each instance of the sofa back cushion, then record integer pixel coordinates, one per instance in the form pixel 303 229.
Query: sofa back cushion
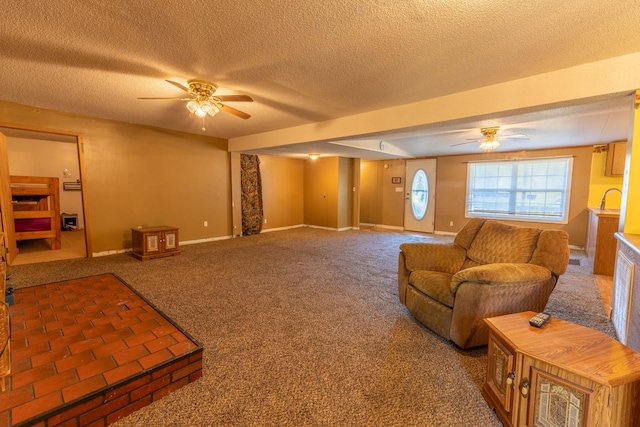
pixel 465 236
pixel 552 251
pixel 498 242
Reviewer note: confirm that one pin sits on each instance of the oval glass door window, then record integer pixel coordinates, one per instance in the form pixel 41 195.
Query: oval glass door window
pixel 419 194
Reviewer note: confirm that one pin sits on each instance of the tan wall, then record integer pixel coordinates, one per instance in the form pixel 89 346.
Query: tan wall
pixel 392 200
pixel 282 191
pixel 137 175
pixel 321 192
pixel 451 178
pixel 381 203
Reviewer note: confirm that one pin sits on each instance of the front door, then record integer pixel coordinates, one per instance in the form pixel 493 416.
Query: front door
pixel 419 210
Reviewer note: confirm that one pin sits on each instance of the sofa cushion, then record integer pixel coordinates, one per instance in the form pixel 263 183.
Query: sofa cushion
pixel 434 284
pixel 552 251
pixel 498 242
pixel 465 236
pixel 444 257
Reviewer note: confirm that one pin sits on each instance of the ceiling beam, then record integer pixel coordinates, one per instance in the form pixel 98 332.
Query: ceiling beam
pixel 571 86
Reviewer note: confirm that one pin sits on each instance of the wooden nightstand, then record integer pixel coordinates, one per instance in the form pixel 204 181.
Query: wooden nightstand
pixel 154 242
pixel 559 375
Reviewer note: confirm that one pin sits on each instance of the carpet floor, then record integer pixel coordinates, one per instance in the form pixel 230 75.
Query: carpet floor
pixel 304 328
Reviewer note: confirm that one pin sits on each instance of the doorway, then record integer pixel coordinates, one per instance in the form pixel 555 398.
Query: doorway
pixel 45 153
pixel 419 212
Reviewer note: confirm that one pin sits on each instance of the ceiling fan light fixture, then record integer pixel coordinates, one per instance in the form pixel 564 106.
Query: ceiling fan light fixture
pixel 314 156
pixel 205 106
pixel 490 141
pixel 213 111
pixel 192 106
pixel 488 145
pixel 202 100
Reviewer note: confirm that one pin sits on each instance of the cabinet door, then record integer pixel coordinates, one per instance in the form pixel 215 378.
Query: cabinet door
pixel 500 376
pixel 170 241
pixel 552 397
pixel 616 157
pixel 151 243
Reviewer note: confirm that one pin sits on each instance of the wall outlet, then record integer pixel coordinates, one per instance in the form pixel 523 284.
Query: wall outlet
pixel 450 223
pixel 206 223
pixel 265 220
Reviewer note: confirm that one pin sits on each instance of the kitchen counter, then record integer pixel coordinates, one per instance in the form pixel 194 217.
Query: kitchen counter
pixel 607 213
pixel 601 242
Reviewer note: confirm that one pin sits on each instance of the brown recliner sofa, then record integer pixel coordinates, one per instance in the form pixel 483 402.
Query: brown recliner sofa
pixel 490 269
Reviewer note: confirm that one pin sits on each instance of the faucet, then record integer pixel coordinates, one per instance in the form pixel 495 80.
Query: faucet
pixel 604 196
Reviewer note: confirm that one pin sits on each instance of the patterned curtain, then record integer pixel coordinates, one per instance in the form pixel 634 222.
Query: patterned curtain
pixel 251 185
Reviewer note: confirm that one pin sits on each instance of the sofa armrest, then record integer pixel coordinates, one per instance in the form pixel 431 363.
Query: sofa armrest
pixel 443 257
pixel 501 274
pixel 476 301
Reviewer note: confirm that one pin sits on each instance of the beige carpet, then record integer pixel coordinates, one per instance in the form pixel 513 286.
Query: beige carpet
pixel 304 328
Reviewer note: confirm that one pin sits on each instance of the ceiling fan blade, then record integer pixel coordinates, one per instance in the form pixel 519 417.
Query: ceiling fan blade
pixel 178 85
pixel 235 112
pixel 175 99
pixel 235 98
pixel 463 143
pixel 514 136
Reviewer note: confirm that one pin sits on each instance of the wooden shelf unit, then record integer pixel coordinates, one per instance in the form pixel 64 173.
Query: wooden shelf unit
pixel 561 374
pixel 32 198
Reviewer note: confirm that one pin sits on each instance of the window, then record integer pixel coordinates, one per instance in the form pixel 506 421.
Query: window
pixel 419 194
pixel 529 190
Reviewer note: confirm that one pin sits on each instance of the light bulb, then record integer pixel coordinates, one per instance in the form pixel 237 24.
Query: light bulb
pixel 213 111
pixel 206 106
pixel 192 106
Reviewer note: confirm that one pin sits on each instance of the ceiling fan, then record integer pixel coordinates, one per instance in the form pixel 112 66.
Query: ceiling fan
pixel 491 140
pixel 202 100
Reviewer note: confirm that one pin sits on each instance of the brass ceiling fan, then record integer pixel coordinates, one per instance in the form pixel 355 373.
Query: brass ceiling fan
pixel 491 140
pixel 202 100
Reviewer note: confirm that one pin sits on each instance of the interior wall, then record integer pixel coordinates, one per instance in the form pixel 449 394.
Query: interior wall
pixel 143 176
pixel 599 183
pixel 451 178
pixel 382 202
pixel 282 191
pixel 630 206
pixel 35 157
pixel 393 195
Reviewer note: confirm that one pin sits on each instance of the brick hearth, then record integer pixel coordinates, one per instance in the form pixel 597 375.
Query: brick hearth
pixel 87 352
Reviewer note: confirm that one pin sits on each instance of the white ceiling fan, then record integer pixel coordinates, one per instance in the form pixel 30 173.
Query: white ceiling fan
pixel 491 140
pixel 202 100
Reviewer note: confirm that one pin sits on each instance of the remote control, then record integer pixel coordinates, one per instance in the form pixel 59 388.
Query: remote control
pixel 539 320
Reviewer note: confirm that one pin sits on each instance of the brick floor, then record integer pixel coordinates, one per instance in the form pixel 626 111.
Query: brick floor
pixel 91 351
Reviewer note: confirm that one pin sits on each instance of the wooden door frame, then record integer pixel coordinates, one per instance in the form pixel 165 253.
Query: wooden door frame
pixel 81 163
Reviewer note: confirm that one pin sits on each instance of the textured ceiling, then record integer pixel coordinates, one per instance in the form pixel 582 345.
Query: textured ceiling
pixel 301 61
